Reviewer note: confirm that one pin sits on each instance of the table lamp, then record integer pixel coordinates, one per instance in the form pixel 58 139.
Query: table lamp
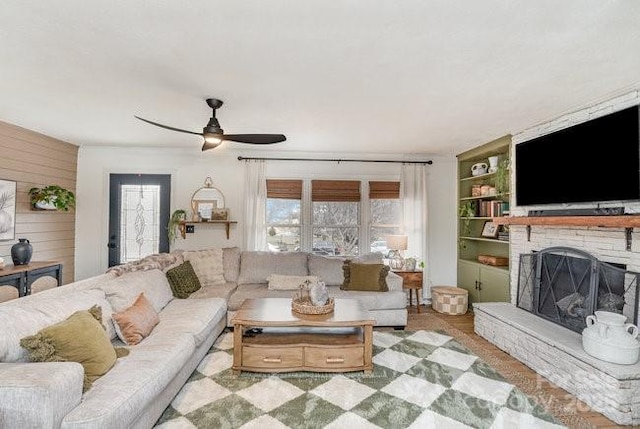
pixel 397 243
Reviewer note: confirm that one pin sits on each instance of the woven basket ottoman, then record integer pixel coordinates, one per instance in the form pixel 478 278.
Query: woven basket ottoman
pixel 449 300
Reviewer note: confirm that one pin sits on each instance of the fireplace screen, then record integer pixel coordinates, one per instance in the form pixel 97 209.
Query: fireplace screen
pixel 566 285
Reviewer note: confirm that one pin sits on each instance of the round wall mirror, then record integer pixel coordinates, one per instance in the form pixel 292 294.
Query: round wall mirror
pixel 207 203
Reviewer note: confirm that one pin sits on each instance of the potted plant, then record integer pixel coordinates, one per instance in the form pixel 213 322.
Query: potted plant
pixel 52 197
pixel 174 222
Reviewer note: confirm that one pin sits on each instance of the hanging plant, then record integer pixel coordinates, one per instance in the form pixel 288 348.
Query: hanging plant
pixel 502 176
pixel 52 197
pixel 174 222
pixel 466 211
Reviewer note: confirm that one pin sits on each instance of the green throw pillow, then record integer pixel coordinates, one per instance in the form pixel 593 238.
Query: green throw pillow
pixel 183 280
pixel 365 277
pixel 79 338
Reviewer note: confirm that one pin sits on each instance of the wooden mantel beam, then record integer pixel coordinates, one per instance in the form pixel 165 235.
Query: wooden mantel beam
pixel 624 221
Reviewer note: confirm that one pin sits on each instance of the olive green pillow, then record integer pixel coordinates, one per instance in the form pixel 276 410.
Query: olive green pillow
pixel 183 280
pixel 79 338
pixel 365 277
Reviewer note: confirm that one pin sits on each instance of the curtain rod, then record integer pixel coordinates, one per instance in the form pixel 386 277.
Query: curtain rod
pixel 338 160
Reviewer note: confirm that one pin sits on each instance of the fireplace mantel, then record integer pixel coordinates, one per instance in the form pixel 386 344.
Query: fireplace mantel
pixel 628 222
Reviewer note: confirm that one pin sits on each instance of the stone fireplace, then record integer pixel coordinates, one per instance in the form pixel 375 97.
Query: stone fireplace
pixel 569 267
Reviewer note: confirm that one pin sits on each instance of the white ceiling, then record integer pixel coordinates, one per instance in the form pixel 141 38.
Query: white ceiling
pixel 374 76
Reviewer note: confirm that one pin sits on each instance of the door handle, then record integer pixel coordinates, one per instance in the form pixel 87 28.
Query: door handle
pixel 476 284
pixel 479 285
pixel 112 245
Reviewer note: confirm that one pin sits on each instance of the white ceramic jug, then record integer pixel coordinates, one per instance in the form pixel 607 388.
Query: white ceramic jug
pixel 609 338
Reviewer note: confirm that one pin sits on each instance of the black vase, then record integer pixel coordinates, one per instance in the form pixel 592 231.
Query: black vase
pixel 21 252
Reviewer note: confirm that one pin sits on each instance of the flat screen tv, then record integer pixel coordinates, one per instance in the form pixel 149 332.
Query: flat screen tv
pixel 595 161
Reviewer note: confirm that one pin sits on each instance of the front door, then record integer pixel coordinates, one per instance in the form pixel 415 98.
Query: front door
pixel 138 216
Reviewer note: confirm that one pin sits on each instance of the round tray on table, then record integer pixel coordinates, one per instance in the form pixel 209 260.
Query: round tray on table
pixel 304 306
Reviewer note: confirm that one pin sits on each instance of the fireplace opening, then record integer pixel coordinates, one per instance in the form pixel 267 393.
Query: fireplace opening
pixel 566 285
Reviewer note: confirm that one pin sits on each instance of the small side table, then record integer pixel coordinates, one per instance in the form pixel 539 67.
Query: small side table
pixel 412 280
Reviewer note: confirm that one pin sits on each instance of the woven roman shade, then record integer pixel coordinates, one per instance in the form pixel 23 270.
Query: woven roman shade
pixel 285 189
pixel 335 190
pixel 384 190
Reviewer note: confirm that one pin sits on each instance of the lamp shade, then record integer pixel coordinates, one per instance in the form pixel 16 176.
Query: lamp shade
pixel 397 242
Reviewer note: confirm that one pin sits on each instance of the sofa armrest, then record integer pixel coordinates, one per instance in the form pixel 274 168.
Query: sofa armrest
pixel 38 395
pixel 394 281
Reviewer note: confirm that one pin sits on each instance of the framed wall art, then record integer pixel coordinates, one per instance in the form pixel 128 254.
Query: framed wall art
pixel 7 209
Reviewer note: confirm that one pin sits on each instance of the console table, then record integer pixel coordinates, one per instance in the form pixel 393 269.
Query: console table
pixel 22 277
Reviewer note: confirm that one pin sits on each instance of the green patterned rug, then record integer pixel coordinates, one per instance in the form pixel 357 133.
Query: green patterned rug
pixel 421 379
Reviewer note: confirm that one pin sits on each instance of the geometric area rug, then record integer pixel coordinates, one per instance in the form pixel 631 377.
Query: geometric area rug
pixel 421 379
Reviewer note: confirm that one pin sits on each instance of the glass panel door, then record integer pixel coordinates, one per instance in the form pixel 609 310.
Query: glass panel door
pixel 138 216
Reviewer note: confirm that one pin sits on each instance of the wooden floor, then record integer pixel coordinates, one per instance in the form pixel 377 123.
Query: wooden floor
pixel 577 413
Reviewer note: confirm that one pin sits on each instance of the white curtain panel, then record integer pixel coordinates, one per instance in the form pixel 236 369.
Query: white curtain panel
pixel 255 191
pixel 413 194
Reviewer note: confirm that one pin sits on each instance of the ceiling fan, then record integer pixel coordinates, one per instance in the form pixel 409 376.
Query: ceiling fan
pixel 214 135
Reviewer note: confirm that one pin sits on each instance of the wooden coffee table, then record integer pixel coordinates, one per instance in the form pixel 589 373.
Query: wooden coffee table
pixel 270 337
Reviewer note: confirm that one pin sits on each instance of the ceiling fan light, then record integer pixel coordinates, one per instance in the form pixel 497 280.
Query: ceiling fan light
pixel 213 138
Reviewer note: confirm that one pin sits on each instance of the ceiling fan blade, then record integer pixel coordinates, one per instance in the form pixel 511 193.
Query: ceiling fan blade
pixel 167 127
pixel 255 138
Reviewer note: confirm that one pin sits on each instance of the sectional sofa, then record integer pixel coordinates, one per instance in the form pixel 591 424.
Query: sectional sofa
pixel 137 389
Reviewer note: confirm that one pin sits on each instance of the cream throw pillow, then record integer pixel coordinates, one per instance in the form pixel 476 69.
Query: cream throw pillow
pixel 208 265
pixel 282 282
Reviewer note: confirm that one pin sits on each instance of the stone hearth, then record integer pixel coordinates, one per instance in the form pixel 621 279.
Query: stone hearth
pixel 556 353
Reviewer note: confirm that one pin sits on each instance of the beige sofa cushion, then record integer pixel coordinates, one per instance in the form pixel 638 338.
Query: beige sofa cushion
pixel 208 265
pixel 231 263
pixel 256 266
pixel 203 316
pixel 135 381
pixel 122 291
pixel 26 316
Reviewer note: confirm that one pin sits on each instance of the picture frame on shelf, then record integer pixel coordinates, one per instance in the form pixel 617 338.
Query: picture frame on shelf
pixel 220 214
pixel 490 230
pixel 205 208
pixel 7 209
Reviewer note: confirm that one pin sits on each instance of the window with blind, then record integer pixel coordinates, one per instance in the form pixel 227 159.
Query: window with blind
pixel 326 216
pixel 384 206
pixel 284 198
pixel 336 216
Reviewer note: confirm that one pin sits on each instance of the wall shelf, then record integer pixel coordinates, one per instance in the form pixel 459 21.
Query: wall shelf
pixel 182 227
pixel 628 222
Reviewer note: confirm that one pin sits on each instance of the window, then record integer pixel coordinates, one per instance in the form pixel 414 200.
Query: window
pixel 326 217
pixel 384 202
pixel 283 215
pixel 336 216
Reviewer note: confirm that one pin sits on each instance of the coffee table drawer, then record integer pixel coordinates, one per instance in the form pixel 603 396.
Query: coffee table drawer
pixel 272 357
pixel 337 357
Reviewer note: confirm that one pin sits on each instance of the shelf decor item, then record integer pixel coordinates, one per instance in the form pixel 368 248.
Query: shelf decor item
pixel 52 197
pixel 490 230
pixel 21 252
pixel 302 301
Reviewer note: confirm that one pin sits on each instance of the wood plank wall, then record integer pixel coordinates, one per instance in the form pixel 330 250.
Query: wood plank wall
pixel 32 159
